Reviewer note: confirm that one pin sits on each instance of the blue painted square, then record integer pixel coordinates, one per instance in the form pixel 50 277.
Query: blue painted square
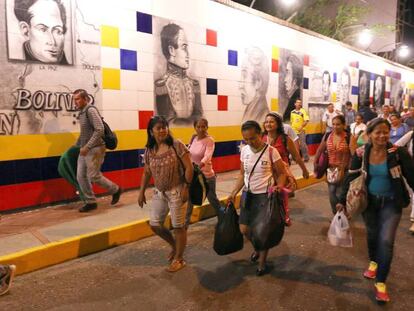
pixel 372 76
pixel 355 90
pixel 144 22
pixel 334 77
pixel 129 60
pixel 211 86
pixel 232 58
pixel 305 83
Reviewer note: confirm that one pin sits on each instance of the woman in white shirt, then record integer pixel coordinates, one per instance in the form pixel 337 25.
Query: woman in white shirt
pixel 259 163
pixel 407 141
pixel 358 126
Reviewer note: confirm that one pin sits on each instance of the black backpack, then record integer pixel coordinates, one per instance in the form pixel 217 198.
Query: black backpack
pixel 109 137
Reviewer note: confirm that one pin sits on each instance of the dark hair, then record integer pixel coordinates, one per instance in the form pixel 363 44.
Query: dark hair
pixel 279 120
pixel 297 69
pixel 251 124
pixel 151 142
pixel 359 115
pixel 169 35
pixel 330 104
pixel 198 120
pixel 397 115
pixel 339 117
pixel 82 93
pixel 375 122
pixel 367 103
pixel 348 103
pixel 22 7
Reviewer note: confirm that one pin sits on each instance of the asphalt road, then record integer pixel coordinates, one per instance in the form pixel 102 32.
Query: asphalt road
pixel 307 273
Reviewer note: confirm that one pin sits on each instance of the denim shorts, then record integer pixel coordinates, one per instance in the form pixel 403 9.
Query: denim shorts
pixel 250 205
pixel 164 201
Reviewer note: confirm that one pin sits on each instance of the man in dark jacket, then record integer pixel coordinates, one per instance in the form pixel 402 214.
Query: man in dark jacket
pixel 367 112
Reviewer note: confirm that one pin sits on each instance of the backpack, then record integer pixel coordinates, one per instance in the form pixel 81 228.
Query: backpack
pixel 109 137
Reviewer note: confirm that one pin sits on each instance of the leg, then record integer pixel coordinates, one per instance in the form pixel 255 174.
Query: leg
pixel 188 213
pixel 303 146
pixel 94 160
pixel 370 216
pixel 158 213
pixel 211 195
pixel 412 207
pixel 333 198
pixel 83 180
pixel 389 218
pixel 178 211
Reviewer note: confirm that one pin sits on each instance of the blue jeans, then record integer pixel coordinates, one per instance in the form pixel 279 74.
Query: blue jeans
pixel 334 193
pixel 211 197
pixel 381 220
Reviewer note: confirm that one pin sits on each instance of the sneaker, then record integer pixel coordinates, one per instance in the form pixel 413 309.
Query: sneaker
pixel 371 272
pixel 7 278
pixel 381 294
pixel 116 196
pixel 411 228
pixel 88 207
pixel 176 265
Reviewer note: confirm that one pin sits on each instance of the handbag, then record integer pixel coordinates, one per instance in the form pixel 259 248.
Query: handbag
pixel 334 175
pixel 357 196
pixel 322 163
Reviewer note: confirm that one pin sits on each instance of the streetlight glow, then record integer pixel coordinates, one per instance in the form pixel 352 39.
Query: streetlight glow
pixel 288 2
pixel 403 51
pixel 365 37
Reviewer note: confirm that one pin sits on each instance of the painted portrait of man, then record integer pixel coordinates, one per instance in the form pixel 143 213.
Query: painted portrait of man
pixel 43 26
pixel 290 82
pixel 363 87
pixel 379 89
pixel 254 84
pixel 344 87
pixel 326 85
pixel 177 96
pixel 397 94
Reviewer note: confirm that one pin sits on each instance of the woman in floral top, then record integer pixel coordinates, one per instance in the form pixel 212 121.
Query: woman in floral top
pixel 167 160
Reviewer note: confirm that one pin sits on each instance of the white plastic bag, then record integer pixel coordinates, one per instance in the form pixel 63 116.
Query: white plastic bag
pixel 339 233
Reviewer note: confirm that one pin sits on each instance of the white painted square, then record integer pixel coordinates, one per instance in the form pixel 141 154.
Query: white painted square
pixel 129 120
pixel 228 87
pixel 145 100
pixel 145 62
pixel 111 99
pixel 129 80
pixel 210 102
pixel 129 39
pixel 235 104
pixel 110 57
pixel 145 81
pixel 129 100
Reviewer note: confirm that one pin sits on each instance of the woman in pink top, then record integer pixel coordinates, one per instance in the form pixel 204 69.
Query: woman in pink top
pixel 201 151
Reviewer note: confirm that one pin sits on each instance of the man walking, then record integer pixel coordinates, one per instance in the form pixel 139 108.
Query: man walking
pixel 299 118
pixel 92 153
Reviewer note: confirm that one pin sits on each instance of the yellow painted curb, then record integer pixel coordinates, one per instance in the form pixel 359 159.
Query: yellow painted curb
pixel 57 252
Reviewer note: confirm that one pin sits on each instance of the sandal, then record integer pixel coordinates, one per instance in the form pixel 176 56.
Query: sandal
pixel 171 256
pixel 254 256
pixel 176 265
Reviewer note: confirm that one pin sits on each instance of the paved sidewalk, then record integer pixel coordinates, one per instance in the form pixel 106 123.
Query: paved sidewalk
pixel 38 227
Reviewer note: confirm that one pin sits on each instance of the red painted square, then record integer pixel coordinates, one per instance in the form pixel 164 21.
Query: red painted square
pixel 275 65
pixel 222 103
pixel 306 60
pixel 143 118
pixel 211 37
pixel 387 95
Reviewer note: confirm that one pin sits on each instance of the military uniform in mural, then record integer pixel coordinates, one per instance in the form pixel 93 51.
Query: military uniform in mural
pixel 177 96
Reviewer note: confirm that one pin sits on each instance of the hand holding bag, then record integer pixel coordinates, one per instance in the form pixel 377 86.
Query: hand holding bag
pixel 339 233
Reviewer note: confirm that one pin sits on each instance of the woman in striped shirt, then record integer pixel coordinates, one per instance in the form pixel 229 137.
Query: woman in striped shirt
pixel 336 144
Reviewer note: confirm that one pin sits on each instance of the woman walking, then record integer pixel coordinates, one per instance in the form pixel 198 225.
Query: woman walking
pixel 167 160
pixel 336 143
pixel 387 195
pixel 201 152
pixel 259 164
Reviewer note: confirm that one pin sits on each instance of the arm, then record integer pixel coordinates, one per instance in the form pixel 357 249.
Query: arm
pixel 321 148
pixel 354 172
pixel 188 175
pixel 279 169
pixel 208 153
pixel 96 122
pixel 407 166
pixel 239 184
pixel 144 184
pixel 294 152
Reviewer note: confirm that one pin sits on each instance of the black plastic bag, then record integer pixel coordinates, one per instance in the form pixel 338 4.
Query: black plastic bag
pixel 198 187
pixel 268 227
pixel 227 237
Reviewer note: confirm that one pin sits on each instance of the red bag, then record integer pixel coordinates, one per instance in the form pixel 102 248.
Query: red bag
pixel 321 164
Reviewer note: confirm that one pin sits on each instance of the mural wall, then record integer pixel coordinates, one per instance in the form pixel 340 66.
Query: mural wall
pixel 138 58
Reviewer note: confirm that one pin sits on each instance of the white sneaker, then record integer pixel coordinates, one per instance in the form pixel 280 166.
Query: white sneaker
pixel 6 278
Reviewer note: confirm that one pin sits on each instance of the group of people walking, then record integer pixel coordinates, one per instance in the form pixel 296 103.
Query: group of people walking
pixel 378 148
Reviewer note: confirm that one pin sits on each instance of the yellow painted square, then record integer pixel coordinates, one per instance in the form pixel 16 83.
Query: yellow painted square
pixel 110 36
pixel 274 104
pixel 275 52
pixel 334 97
pixel 111 78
